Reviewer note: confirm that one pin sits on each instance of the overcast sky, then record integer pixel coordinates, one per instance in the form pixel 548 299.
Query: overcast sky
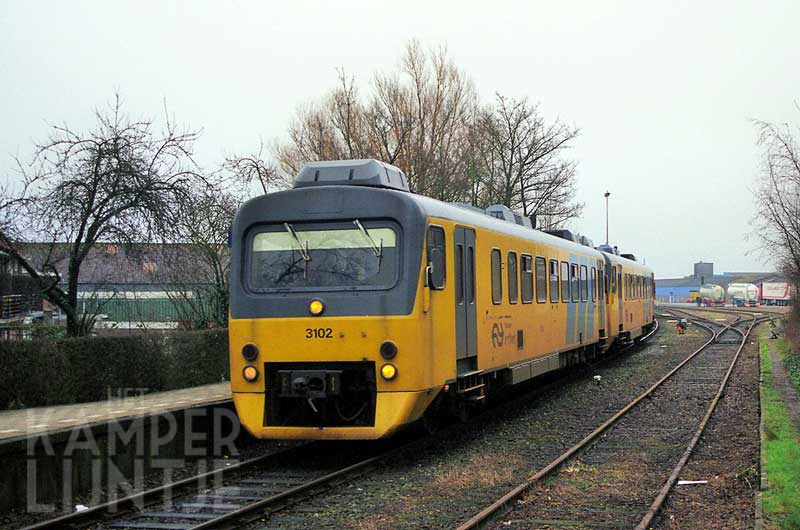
pixel 663 92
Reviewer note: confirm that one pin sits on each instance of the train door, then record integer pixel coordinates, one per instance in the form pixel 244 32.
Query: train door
pixel 466 312
pixel 620 298
pixel 610 322
pixel 600 289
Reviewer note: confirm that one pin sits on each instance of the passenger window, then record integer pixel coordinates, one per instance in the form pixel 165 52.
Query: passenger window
pixel 564 281
pixel 584 283
pixel 436 258
pixel 541 280
pixel 593 280
pixel 613 280
pixel 553 281
pixel 574 286
pixel 497 279
pixel 512 278
pixel 600 284
pixel 526 279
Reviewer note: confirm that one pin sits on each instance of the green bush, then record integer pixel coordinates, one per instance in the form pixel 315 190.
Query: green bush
pixel 44 372
pixel 194 358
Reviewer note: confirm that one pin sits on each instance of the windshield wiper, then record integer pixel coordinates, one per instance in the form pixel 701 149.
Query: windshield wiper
pixel 303 248
pixel 378 251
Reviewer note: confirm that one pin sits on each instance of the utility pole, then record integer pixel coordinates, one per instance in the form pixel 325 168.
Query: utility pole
pixel 606 196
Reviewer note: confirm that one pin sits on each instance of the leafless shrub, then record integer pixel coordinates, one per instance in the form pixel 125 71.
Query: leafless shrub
pixel 778 196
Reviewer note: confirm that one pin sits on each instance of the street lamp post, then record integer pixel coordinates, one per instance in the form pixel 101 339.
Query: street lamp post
pixel 606 196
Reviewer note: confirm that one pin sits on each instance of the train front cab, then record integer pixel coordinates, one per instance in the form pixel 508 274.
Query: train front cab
pixel 335 363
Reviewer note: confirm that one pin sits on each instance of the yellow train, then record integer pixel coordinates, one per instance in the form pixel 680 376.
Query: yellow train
pixel 358 307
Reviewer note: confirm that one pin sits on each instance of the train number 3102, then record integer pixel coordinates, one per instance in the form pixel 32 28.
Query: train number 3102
pixel 319 333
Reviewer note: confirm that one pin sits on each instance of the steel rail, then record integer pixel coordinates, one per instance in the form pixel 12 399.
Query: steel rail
pixel 119 507
pixel 274 499
pixel 484 515
pixel 655 507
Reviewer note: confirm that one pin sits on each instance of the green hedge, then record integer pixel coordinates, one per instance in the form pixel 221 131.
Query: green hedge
pixel 51 372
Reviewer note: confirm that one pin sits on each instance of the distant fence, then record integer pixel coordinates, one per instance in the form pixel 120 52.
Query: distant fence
pixel 43 372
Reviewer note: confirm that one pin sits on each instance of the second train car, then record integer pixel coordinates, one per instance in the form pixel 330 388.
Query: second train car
pixel 358 307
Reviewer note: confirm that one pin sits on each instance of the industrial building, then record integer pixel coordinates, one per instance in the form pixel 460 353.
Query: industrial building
pixel 678 289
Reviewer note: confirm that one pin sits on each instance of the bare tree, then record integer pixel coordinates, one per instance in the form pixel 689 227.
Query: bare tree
pixel 778 195
pixel 122 181
pixel 252 168
pixel 417 118
pixel 518 159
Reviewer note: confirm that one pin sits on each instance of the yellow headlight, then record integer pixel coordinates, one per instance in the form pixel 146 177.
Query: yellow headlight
pixel 250 373
pixel 388 371
pixel 316 307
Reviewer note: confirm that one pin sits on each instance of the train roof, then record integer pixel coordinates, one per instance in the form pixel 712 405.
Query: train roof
pixel 382 183
pixel 435 208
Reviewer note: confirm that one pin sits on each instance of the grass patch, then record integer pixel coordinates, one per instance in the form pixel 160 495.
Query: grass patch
pixel 782 448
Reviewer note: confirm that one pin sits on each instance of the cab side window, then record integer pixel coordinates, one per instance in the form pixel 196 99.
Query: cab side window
pixel 436 256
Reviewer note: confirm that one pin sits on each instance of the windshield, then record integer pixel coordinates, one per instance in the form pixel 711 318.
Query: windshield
pixel 339 256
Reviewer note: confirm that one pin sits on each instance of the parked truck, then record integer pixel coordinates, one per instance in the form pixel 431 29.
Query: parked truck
pixel 775 293
pixel 743 294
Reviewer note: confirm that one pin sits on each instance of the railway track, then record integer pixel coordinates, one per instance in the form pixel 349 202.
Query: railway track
pixel 283 488
pixel 239 493
pixel 641 449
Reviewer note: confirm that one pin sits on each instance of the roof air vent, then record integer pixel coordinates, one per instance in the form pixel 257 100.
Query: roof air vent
pixel 505 213
pixel 351 173
pixel 563 234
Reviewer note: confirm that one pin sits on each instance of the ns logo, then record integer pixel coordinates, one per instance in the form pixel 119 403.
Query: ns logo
pixel 498 335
